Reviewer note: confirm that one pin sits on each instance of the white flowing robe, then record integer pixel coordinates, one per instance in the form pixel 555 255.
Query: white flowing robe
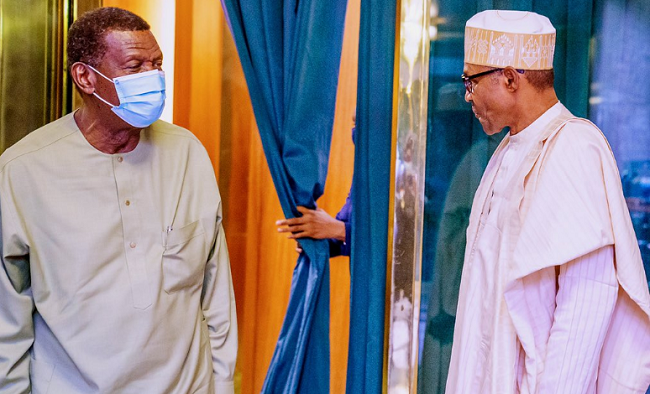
pixel 560 200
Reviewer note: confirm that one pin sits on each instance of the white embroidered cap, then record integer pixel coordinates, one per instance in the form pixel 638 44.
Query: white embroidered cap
pixel 523 40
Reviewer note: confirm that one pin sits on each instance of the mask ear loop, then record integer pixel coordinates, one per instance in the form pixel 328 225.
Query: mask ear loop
pixel 106 78
pixel 107 103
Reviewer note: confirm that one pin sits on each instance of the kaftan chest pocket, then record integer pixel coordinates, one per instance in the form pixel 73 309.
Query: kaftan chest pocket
pixel 184 257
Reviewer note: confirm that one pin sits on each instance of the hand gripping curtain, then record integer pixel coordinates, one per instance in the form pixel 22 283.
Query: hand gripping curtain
pixel 290 52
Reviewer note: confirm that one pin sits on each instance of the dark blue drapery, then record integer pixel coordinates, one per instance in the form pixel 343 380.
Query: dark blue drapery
pixel 290 52
pixel 370 195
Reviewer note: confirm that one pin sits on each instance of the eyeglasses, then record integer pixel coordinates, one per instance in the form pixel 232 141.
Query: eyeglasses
pixel 467 79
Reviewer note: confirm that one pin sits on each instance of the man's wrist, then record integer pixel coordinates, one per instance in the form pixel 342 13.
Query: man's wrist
pixel 340 231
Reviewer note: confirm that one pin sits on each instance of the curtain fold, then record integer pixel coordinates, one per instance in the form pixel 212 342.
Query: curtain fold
pixel 290 53
pixel 370 195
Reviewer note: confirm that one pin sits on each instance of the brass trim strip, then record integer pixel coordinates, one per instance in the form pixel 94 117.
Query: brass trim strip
pixel 408 169
pixel 2 118
pixel 66 96
pixel 419 213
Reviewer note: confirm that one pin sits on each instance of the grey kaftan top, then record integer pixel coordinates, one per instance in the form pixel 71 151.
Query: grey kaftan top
pixel 115 274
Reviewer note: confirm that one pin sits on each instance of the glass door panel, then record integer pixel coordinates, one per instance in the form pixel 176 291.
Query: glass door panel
pixel 601 62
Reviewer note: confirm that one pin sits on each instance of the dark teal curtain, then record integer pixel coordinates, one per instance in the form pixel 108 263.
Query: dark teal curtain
pixel 370 196
pixel 290 52
pixel 458 151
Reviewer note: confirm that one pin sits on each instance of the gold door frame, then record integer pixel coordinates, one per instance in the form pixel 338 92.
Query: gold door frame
pixel 409 151
pixel 34 84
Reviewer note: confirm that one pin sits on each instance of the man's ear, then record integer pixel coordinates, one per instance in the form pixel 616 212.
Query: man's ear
pixel 512 78
pixel 83 78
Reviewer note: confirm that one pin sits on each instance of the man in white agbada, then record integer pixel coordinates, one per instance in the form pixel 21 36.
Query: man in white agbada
pixel 553 296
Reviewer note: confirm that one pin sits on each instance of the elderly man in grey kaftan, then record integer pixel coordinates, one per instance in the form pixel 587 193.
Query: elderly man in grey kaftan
pixel 115 275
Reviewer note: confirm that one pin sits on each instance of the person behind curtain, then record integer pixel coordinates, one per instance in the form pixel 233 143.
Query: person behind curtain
pixel 318 224
pixel 115 272
pixel 553 297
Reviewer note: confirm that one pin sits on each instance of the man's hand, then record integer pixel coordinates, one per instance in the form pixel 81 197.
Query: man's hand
pixel 316 224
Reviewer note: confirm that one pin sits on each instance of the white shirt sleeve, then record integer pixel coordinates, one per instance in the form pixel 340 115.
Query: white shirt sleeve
pixel 587 292
pixel 16 306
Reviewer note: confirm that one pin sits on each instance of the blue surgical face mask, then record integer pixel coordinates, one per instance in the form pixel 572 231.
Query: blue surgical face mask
pixel 141 95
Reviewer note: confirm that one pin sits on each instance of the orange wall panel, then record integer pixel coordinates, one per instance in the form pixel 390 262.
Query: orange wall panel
pixel 149 10
pixel 238 186
pixel 197 74
pixel 183 62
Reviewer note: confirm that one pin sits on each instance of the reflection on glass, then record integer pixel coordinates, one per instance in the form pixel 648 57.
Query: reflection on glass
pixel 409 192
pixel 620 106
pixel 636 187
